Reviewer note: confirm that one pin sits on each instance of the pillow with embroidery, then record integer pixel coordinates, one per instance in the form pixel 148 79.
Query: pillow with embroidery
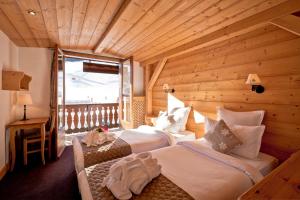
pixel 221 138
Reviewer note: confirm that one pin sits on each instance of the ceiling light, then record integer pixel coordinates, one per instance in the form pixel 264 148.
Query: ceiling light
pixel 31 12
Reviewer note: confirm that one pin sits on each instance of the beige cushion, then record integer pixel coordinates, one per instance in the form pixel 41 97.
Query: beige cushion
pixel 221 138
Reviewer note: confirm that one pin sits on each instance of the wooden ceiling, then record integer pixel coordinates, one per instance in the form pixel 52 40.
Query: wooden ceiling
pixel 139 28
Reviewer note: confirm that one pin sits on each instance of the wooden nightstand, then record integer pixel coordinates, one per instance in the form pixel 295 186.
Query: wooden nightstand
pixel 282 183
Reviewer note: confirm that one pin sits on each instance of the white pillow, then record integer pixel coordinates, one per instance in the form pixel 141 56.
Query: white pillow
pixel 180 117
pixel 164 122
pixel 209 124
pixel 251 140
pixel 250 118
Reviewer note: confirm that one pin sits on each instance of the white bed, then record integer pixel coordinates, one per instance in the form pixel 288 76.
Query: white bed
pixel 144 138
pixel 202 172
pixel 147 138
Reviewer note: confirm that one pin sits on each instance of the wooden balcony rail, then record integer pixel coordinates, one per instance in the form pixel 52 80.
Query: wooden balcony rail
pixel 85 117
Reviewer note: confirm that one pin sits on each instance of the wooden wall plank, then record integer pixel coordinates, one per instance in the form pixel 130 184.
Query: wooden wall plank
pixel 290 23
pixel 8 28
pixel 12 11
pixel 215 76
pixel 79 13
pixel 48 8
pixel 186 13
pixel 179 9
pixel 237 28
pixel 36 23
pixel 154 14
pixel 112 8
pixel 221 18
pixel 94 12
pixel 64 20
pixel 135 11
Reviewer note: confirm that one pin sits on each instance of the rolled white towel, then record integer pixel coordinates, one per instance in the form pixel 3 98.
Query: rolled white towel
pixel 95 138
pixel 117 180
pixel 88 138
pixel 131 174
pixel 150 169
pixel 138 177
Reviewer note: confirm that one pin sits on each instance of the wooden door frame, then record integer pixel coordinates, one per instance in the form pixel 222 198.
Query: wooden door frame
pixel 124 124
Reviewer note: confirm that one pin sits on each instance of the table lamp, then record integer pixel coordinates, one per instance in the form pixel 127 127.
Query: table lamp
pixel 24 99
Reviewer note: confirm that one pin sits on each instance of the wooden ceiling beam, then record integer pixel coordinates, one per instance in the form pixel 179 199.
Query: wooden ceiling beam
pixel 72 54
pixel 237 28
pixel 158 69
pixel 160 66
pixel 289 23
pixel 111 25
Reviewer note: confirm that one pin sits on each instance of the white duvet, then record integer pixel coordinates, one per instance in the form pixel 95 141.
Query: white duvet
pixel 146 138
pixel 205 173
pixel 202 172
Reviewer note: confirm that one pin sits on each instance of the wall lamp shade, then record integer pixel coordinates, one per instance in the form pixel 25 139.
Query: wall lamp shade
pixel 24 99
pixel 167 88
pixel 255 81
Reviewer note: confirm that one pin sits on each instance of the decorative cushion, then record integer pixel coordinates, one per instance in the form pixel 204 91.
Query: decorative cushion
pixel 221 138
pixel 251 138
pixel 250 118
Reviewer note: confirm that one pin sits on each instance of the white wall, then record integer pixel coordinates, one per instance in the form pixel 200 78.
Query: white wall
pixel 138 80
pixel 36 62
pixel 8 60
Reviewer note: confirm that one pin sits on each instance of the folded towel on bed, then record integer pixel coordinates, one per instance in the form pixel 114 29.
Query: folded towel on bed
pixel 95 138
pixel 131 174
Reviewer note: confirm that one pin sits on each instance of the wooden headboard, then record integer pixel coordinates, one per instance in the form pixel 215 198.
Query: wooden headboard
pixel 215 76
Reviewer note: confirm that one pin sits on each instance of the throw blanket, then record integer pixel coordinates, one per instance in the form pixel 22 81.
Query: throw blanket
pixel 116 148
pixel 159 188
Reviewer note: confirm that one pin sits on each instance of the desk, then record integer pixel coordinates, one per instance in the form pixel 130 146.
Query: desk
pixel 28 124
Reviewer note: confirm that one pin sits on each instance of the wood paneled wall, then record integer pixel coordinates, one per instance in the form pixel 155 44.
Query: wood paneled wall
pixel 216 75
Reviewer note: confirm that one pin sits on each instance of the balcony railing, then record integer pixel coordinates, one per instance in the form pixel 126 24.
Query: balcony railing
pixel 84 117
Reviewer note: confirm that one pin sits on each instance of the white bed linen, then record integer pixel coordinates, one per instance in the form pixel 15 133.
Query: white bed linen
pixel 146 138
pixel 205 177
pixel 203 174
pixel 264 163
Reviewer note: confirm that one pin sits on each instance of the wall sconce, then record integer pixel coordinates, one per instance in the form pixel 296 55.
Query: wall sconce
pixel 254 81
pixel 167 89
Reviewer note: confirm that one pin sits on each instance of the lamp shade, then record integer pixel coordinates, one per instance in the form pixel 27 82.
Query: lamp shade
pixel 253 79
pixel 24 99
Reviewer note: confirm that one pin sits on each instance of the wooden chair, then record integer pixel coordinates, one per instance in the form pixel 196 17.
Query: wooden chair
pixel 36 138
